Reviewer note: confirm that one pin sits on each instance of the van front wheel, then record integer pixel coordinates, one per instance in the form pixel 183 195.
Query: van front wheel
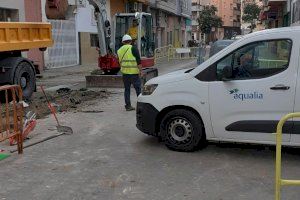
pixel 182 130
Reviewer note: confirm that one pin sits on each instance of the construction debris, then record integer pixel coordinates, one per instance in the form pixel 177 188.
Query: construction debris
pixel 64 100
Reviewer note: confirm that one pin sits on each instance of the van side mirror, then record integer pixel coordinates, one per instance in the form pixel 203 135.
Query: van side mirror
pixel 227 73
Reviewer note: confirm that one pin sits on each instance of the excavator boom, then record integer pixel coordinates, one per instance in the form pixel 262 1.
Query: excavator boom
pixel 58 9
pixel 103 25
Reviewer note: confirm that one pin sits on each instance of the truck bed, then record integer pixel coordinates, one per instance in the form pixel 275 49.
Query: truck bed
pixel 20 36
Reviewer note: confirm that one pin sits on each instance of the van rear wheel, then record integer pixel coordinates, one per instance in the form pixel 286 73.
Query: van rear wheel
pixel 182 130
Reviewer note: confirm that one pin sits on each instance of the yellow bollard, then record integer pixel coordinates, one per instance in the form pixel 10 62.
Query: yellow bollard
pixel 279 182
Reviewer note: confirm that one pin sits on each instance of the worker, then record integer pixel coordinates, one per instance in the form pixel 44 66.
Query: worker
pixel 245 62
pixel 134 30
pixel 131 68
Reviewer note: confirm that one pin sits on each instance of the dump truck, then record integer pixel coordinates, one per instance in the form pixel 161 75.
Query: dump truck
pixel 15 39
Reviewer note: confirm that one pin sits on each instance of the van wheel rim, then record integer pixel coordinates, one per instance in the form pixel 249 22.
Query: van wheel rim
pixel 180 130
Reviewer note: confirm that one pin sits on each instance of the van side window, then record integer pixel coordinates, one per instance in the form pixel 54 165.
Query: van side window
pixel 257 60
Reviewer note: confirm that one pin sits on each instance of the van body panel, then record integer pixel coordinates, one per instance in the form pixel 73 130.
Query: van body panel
pixel 243 109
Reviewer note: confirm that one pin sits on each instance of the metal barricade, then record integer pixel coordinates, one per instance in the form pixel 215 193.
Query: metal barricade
pixel 162 52
pixel 268 63
pixel 279 182
pixel 183 53
pixel 11 118
pixel 172 53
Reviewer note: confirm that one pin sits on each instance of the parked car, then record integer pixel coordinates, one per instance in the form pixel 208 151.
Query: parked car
pixel 219 45
pixel 238 95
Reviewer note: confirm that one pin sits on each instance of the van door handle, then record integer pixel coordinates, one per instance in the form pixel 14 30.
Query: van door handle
pixel 280 87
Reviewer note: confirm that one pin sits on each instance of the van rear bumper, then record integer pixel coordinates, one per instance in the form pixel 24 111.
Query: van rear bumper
pixel 146 116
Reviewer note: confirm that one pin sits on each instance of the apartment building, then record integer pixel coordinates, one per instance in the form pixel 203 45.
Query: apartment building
pixel 172 22
pixel 197 7
pixel 276 13
pixel 246 25
pixel 230 12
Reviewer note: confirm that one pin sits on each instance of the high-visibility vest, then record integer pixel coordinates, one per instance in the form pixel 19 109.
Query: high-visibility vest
pixel 127 60
pixel 133 32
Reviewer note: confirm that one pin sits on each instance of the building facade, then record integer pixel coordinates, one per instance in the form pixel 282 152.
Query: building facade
pixel 230 12
pixel 75 37
pixel 295 12
pixel 276 13
pixel 246 26
pixel 197 7
pixel 12 10
pixel 172 22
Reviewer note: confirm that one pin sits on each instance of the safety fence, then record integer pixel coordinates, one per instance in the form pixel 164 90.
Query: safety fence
pixel 172 53
pixel 279 182
pixel 267 63
pixel 11 117
pixel 184 53
pixel 162 52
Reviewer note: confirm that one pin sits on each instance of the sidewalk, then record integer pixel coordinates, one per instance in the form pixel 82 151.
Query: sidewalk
pixel 74 77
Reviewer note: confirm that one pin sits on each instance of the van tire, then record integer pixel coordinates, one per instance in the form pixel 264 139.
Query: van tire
pixel 182 130
pixel 25 77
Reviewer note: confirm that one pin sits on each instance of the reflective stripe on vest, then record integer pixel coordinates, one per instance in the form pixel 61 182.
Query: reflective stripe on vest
pixel 127 60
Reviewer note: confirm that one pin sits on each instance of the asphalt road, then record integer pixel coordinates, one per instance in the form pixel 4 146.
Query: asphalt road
pixel 107 158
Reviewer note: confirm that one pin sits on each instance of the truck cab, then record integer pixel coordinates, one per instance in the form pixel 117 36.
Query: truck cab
pixel 238 95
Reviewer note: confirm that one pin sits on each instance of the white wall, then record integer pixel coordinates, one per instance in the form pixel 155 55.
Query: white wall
pixel 15 4
pixel 47 57
pixel 85 18
pixel 44 18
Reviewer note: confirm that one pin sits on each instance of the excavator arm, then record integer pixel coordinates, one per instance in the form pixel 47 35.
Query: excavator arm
pixel 103 25
pixel 58 9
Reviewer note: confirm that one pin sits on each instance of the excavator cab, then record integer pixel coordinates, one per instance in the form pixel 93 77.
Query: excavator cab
pixel 139 27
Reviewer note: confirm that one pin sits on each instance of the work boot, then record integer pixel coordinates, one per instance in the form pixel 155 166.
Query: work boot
pixel 129 108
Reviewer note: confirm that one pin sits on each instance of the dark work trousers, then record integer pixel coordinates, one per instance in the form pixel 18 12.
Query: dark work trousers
pixel 131 79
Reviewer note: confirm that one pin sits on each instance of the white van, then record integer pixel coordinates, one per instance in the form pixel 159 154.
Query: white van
pixel 238 95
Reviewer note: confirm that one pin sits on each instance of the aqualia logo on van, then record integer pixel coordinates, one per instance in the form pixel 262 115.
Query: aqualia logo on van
pixel 237 95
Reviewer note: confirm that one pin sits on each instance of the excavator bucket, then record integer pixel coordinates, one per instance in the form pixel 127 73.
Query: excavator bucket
pixel 56 9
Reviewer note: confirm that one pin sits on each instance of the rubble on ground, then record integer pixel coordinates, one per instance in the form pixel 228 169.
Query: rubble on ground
pixel 64 100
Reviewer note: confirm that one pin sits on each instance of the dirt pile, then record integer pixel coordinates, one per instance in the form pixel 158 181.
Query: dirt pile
pixel 65 100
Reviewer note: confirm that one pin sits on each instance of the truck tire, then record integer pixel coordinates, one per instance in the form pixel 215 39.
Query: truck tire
pixel 182 130
pixel 25 77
